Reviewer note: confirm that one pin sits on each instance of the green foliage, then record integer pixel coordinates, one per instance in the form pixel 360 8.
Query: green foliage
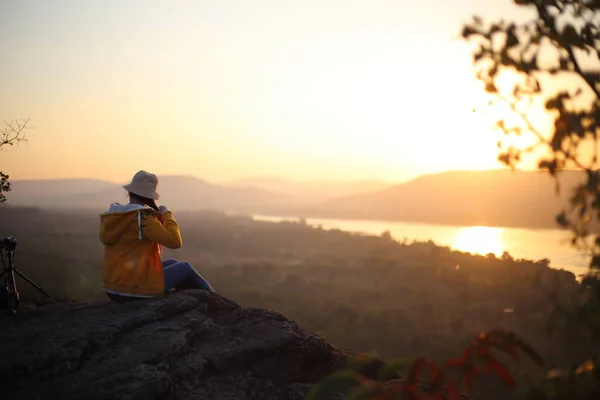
pixel 12 133
pixel 340 381
pixel 391 368
pixel 4 186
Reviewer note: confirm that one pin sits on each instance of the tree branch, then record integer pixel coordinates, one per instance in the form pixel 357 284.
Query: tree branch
pixel 569 49
pixel 537 133
pixel 13 132
pixel 586 77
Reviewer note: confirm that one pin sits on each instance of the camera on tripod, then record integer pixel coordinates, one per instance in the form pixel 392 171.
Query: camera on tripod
pixel 9 243
pixel 9 295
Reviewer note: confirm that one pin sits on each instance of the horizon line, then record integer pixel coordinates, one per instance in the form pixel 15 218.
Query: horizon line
pixel 293 180
pixel 247 178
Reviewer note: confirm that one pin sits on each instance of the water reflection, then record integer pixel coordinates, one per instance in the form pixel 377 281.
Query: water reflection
pixel 480 240
pixel 530 244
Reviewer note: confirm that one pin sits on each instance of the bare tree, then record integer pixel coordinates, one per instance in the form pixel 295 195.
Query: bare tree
pixel 12 133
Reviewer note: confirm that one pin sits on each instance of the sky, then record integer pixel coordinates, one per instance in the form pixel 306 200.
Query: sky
pixel 228 89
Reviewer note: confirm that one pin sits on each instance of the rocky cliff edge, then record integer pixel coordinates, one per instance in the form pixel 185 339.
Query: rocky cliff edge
pixel 190 344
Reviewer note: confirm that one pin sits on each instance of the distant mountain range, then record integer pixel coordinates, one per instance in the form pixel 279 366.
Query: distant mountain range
pixel 493 198
pixel 177 192
pixel 490 198
pixel 311 191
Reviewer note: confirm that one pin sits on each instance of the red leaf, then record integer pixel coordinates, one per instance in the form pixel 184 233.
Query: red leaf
pixel 410 388
pixel 502 372
pixel 467 354
pixel 452 390
pixel 424 396
pixel 434 372
pixel 483 351
pixel 437 396
pixel 382 396
pixel 468 378
pixel 418 364
pixel 454 362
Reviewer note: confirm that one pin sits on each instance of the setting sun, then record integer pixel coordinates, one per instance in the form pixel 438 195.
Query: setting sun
pixel 343 90
pixel 480 240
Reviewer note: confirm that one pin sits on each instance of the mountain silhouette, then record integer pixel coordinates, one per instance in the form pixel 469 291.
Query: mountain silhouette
pixel 492 198
pixel 177 192
pixel 312 191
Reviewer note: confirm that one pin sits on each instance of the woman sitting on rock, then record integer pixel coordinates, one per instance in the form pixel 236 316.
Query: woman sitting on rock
pixel 133 235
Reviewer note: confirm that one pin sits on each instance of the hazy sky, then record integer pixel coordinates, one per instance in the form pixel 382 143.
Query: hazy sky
pixel 306 89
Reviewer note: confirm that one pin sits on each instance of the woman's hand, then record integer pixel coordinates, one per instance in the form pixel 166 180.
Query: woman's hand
pixel 159 213
pixel 163 209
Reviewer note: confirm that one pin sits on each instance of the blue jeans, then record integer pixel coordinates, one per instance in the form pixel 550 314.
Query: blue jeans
pixel 181 275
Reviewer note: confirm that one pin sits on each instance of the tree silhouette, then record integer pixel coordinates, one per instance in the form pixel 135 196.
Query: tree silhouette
pixel 551 63
pixel 12 133
pixel 553 60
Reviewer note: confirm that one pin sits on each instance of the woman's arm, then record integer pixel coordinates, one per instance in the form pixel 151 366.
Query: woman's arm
pixel 167 235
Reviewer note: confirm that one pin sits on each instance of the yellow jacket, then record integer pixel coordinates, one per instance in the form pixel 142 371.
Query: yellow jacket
pixel 133 236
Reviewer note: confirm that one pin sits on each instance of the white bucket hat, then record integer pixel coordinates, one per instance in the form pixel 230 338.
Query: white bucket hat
pixel 144 184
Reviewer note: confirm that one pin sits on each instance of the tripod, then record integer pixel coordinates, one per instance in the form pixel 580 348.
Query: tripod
pixel 12 295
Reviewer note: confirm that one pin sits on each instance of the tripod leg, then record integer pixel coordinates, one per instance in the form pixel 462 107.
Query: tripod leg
pixel 13 295
pixel 32 283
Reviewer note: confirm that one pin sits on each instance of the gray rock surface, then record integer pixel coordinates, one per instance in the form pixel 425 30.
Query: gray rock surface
pixel 187 345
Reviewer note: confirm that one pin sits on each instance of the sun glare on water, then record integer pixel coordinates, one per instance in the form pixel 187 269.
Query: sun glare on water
pixel 480 240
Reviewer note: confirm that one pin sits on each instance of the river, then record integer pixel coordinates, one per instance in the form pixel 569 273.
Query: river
pixel 531 244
